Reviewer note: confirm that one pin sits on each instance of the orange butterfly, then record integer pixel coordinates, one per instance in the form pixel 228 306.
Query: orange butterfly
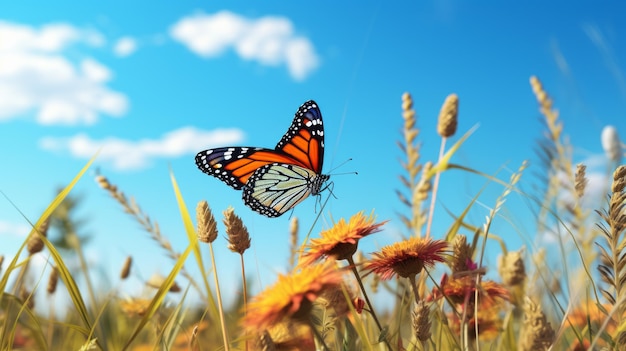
pixel 274 181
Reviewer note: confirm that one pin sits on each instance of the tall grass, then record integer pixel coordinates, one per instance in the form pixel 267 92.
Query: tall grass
pixel 441 297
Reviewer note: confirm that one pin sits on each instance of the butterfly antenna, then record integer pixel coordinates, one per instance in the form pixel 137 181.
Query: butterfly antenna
pixel 341 164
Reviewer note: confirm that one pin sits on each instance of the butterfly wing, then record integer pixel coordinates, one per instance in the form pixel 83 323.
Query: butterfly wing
pixel 276 188
pixel 304 140
pixel 234 165
pixel 274 181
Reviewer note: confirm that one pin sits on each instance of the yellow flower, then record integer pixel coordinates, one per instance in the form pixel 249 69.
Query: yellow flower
pixel 407 258
pixel 292 296
pixel 342 239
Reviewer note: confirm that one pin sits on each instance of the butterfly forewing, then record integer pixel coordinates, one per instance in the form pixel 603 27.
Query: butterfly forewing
pixel 304 139
pixel 234 165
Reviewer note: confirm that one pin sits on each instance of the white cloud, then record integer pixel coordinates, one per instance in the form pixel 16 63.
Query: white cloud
pixel 94 71
pixel 125 46
pixel 128 154
pixel 36 76
pixel 269 40
pixel 9 228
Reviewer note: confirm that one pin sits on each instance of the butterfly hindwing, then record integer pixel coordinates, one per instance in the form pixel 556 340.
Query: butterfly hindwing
pixel 276 188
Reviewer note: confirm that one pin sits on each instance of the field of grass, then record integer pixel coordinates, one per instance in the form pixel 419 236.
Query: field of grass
pixel 324 302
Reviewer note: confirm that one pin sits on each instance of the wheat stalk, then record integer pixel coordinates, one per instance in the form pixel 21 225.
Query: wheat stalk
pixel 613 257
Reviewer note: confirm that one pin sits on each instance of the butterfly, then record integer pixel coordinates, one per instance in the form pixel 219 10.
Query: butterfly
pixel 274 181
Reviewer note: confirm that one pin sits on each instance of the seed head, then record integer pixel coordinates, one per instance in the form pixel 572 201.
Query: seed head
pixel 238 237
pixel 207 226
pixel 448 116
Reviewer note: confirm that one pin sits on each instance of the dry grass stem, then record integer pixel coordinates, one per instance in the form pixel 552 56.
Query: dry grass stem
pixel 28 297
pixel 613 256
pixel 421 320
pixel 424 186
pixel 411 148
pixel 537 333
pixel 556 156
pixel 207 226
pixel 156 280
pixel 461 255
pixel 446 127
pixel 293 241
pixel 580 180
pixel 133 209
pixel 53 280
pixel 35 243
pixel 511 268
pixel 126 267
pixel 238 236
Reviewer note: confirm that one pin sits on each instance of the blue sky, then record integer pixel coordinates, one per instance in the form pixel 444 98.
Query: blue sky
pixel 154 83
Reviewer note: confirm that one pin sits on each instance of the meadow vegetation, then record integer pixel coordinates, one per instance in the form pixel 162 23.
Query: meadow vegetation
pixel 442 295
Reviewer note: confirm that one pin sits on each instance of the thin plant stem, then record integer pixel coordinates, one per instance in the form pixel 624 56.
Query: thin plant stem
pixel 83 266
pixel 219 300
pixel 319 337
pixel 433 198
pixel 52 323
pixel 245 295
pixel 414 287
pixel 367 299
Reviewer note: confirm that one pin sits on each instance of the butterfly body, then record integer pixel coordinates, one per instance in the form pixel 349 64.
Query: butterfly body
pixel 274 181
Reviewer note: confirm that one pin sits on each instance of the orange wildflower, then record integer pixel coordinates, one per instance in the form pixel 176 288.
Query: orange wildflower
pixel 292 296
pixel 488 323
pixel 589 315
pixel 463 290
pixel 342 239
pixel 407 258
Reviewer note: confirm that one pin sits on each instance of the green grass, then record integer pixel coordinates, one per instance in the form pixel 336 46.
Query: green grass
pixel 533 304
